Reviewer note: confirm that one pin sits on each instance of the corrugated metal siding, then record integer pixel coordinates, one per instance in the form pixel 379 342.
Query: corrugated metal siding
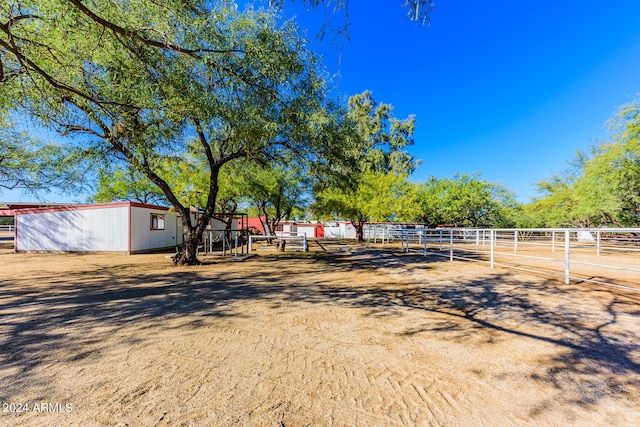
pixel 103 229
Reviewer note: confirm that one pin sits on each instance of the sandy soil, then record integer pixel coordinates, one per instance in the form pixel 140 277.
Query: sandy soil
pixel 356 335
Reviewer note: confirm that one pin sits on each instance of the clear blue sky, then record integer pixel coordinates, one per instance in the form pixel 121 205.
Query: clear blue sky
pixel 508 89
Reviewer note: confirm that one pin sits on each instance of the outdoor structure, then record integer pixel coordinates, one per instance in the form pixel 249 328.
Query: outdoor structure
pixel 312 230
pixel 340 230
pixel 226 233
pixel 254 223
pixel 291 228
pixel 286 228
pixel 125 227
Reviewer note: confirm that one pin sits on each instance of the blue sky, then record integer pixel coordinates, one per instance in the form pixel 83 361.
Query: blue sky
pixel 508 89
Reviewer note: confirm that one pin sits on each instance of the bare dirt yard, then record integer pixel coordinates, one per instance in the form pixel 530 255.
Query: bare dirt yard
pixel 355 335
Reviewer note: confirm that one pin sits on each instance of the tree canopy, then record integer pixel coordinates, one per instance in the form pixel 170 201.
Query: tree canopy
pixel 602 186
pixel 275 192
pixel 465 201
pixel 157 85
pixel 126 183
pixel 33 165
pixel 376 184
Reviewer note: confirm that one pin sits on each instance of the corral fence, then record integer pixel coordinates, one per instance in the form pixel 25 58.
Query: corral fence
pixel 7 228
pixel 300 241
pixel 224 241
pixel 607 256
pixel 383 233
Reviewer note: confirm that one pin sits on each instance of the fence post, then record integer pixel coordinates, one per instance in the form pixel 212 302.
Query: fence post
pixel 492 238
pixel 405 238
pixel 236 243
pixel 211 237
pixel 515 241
pixel 566 257
pixel 304 243
pixel 424 231
pixel 597 243
pixel 553 241
pixel 250 243
pixel 224 244
pixel 477 239
pixel 440 239
pixel 451 244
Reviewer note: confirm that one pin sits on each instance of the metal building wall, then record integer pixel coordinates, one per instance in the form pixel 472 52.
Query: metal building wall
pixel 143 238
pixel 74 229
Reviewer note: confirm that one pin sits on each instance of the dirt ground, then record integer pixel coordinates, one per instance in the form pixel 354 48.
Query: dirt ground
pixel 354 335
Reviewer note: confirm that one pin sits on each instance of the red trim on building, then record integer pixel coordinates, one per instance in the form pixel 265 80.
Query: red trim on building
pixel 86 207
pixel 10 208
pixel 148 206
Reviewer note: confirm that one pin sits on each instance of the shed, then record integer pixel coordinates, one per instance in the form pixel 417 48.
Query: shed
pixel 313 230
pixel 125 227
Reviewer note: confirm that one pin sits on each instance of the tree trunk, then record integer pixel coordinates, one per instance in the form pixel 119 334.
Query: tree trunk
pixel 189 253
pixel 359 226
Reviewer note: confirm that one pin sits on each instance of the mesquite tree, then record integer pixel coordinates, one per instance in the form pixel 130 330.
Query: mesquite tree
pixel 156 84
pixel 376 188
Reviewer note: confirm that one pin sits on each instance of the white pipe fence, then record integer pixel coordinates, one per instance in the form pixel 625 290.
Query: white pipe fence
pixel 302 238
pixel 382 233
pixel 378 233
pixel 609 256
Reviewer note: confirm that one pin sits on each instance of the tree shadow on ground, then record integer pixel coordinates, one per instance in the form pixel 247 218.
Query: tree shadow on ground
pixel 599 355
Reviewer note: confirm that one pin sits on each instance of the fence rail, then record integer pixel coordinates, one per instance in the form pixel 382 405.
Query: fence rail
pixel 383 233
pixel 302 238
pixel 7 228
pixel 602 255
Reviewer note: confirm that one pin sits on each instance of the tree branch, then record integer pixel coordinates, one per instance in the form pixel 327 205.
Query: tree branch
pixel 27 63
pixel 149 42
pixel 12 20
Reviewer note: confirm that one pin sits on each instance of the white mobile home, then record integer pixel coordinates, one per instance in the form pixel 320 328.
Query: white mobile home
pixel 124 227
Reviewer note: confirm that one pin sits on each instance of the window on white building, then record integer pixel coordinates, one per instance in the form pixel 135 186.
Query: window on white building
pixel 157 221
